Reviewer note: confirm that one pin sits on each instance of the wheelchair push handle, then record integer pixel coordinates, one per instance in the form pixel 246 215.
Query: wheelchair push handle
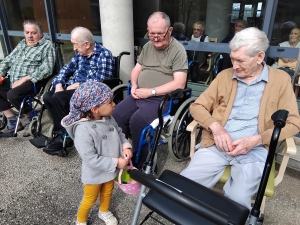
pixel 178 93
pixel 279 118
pixel 124 53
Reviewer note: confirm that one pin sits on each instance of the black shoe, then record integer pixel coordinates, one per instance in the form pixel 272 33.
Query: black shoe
pixel 40 141
pixel 60 153
pixel 56 144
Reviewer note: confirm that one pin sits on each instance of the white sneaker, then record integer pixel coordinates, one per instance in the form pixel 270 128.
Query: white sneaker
pixel 78 223
pixel 108 218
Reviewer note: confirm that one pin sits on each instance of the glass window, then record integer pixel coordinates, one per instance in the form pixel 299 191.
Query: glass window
pixel 67 51
pixel 15 40
pixel 219 15
pixel 3 52
pixel 287 17
pixel 235 11
pixel 73 13
pixel 18 11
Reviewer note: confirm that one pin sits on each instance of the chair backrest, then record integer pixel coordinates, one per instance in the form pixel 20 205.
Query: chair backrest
pixel 115 81
pixel 213 39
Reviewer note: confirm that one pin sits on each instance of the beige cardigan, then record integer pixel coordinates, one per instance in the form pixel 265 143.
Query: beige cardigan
pixel 215 104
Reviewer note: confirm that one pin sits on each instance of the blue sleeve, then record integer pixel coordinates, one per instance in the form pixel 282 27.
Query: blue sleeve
pixel 106 65
pixel 66 72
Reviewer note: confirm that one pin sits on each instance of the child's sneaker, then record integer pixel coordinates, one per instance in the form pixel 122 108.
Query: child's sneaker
pixel 108 218
pixel 78 223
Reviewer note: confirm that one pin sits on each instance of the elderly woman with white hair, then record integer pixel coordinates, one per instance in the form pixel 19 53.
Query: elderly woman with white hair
pixel 235 113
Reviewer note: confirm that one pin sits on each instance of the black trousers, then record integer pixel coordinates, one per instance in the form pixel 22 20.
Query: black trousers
pixel 14 96
pixel 58 105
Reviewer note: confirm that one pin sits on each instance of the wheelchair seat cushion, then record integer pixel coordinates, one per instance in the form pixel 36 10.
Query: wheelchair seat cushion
pixel 177 214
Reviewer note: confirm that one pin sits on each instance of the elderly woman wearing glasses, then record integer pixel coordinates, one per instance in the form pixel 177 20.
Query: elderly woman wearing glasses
pixel 161 68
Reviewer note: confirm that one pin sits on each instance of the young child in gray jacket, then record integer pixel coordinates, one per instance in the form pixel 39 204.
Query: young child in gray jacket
pixel 100 143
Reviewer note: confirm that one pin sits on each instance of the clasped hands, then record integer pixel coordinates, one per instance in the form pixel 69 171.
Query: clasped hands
pixel 123 161
pixel 140 93
pixel 224 142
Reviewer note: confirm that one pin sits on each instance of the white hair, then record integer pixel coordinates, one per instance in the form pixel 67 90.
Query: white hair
pixel 255 40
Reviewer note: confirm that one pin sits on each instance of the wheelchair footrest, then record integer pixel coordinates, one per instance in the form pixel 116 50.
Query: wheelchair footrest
pixel 177 214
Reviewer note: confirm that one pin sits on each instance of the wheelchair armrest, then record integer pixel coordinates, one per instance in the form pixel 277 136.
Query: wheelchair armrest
pixel 289 149
pixel 192 127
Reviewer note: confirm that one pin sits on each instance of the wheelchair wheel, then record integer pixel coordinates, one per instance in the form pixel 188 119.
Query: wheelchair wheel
pixel 33 130
pixel 119 92
pixel 3 121
pixel 179 138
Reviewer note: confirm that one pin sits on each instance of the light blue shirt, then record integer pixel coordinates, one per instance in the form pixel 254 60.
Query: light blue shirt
pixel 243 119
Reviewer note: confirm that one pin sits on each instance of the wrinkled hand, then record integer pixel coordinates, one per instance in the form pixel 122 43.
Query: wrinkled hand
pixel 122 163
pixel 73 86
pixel 127 153
pixel 132 91
pixel 58 88
pixel 222 138
pixel 245 144
pixel 142 93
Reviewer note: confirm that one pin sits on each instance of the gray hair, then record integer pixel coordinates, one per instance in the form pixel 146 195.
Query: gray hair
pixel 255 40
pixel 163 16
pixel 82 35
pixel 200 23
pixel 245 23
pixel 36 23
pixel 179 27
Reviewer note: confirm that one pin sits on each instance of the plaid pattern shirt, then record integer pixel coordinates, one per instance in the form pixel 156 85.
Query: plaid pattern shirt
pixel 36 61
pixel 98 66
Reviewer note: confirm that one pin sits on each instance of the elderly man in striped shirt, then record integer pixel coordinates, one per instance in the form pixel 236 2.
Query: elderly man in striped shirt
pixel 91 62
pixel 30 62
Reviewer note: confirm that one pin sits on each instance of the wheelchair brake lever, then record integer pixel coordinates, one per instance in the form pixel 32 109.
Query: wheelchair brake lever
pixel 165 128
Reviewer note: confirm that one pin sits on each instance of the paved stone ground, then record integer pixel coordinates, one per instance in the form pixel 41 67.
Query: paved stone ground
pixel 36 188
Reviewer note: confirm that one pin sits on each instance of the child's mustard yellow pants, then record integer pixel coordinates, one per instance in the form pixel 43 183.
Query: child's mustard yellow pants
pixel 91 192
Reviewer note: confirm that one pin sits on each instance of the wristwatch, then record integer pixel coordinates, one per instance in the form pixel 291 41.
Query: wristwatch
pixel 153 91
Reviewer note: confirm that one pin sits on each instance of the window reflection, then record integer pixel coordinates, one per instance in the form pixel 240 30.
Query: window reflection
pixel 73 13
pixel 18 11
pixel 286 18
pixel 67 51
pixel 3 52
pixel 219 15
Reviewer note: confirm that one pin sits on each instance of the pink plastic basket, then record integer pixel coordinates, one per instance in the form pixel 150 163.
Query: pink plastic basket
pixel 125 183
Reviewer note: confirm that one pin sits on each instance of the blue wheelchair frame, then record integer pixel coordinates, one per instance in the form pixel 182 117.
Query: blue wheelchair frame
pixel 34 113
pixel 147 135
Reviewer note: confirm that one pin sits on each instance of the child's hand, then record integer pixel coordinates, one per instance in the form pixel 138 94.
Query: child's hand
pixel 127 153
pixel 122 163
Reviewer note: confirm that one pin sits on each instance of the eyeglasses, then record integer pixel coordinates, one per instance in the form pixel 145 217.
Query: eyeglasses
pixel 158 36
pixel 197 29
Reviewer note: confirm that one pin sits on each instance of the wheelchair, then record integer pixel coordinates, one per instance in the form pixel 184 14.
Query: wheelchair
pixel 39 140
pixel 183 201
pixel 175 119
pixel 35 102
